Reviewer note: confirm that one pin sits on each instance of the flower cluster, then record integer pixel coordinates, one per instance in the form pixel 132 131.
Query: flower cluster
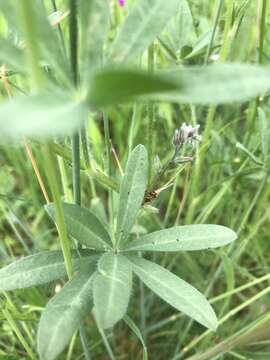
pixel 186 134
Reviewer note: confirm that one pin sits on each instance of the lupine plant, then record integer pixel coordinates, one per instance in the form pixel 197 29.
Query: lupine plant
pixel 103 279
pixel 61 78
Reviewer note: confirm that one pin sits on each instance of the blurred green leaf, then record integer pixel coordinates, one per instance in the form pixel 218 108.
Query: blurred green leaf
pixel 144 23
pixel 213 84
pixel 179 31
pixel 83 226
pixel 112 86
pixel 132 190
pixel 175 291
pixel 217 84
pixel 95 20
pixel 64 313
pixel 40 115
pixel 112 289
pixel 40 268
pixel 184 238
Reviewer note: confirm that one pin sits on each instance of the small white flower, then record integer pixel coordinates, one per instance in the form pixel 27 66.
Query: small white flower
pixel 187 134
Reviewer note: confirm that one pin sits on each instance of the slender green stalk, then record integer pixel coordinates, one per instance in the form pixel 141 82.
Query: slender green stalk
pixel 108 169
pixel 132 129
pixel 26 14
pixel 18 333
pixel 262 30
pixel 76 168
pixel 87 159
pixel 151 115
pixel 209 48
pixel 73 39
pixel 52 178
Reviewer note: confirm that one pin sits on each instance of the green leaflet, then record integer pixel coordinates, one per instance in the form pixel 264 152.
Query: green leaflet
pixel 213 84
pixel 175 291
pixel 132 190
pixel 184 238
pixel 64 313
pixel 217 84
pixel 83 226
pixel 115 85
pixel 40 115
pixel 40 268
pixel 112 288
pixel 143 24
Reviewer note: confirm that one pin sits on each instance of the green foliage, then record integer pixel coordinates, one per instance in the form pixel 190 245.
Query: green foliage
pixel 132 190
pixel 64 314
pixel 56 112
pixel 143 24
pixel 83 226
pixel 40 269
pixel 112 282
pixel 184 238
pixel 175 291
pixel 112 289
pixel 75 74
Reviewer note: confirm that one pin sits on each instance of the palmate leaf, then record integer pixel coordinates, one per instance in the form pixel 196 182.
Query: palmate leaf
pixel 40 268
pixel 175 291
pixel 83 226
pixel 64 314
pixel 144 23
pixel 184 238
pixel 112 288
pixel 132 190
pixel 40 115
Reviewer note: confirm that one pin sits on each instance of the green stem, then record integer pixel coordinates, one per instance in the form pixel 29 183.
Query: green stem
pixel 108 170
pixel 262 30
pixel 73 39
pixel 76 168
pixel 18 333
pixel 209 48
pixel 87 159
pixel 64 241
pixel 151 115
pixel 26 14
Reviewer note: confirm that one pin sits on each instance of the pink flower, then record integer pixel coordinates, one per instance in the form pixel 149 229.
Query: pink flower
pixel 121 2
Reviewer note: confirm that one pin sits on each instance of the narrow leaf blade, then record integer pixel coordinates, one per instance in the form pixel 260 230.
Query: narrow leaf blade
pixel 40 268
pixel 83 226
pixel 184 238
pixel 144 23
pixel 132 191
pixel 112 288
pixel 64 314
pixel 175 291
